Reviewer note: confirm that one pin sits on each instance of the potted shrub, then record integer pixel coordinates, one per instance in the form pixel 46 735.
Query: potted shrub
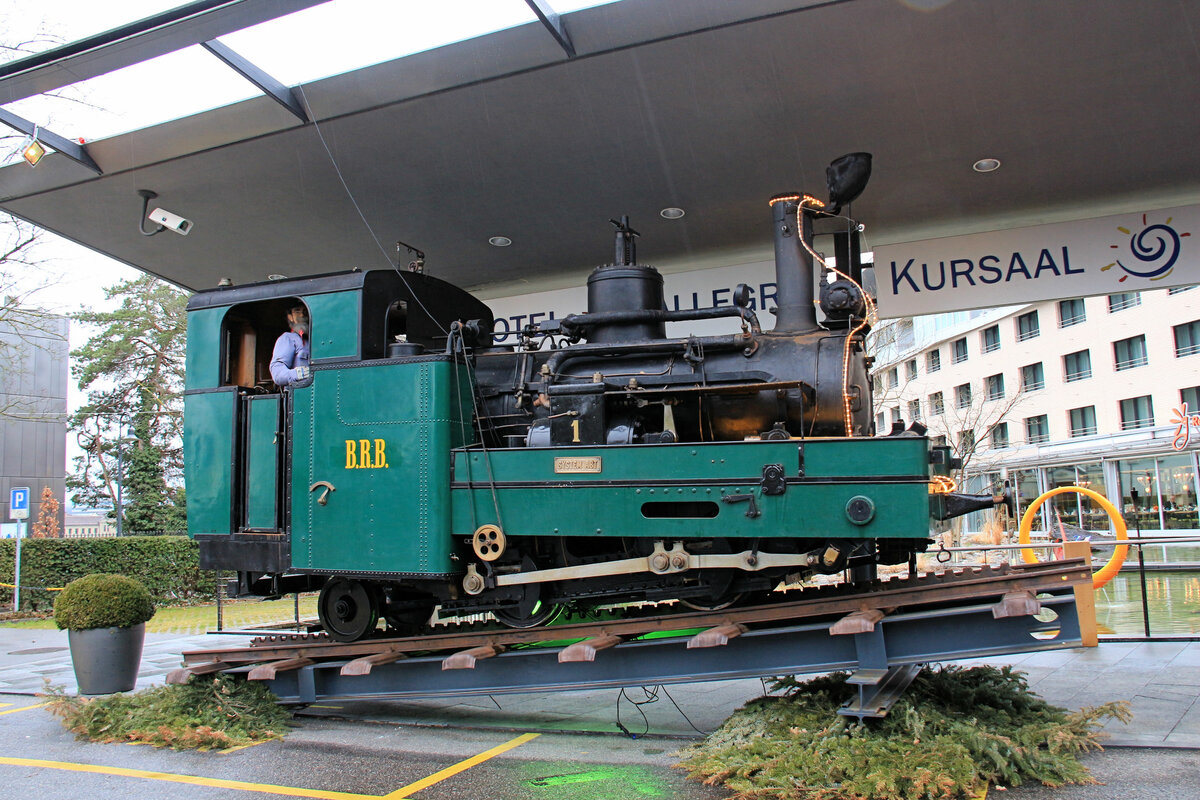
pixel 105 619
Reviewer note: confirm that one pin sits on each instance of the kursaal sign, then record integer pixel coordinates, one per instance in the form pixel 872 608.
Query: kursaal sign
pixel 1106 255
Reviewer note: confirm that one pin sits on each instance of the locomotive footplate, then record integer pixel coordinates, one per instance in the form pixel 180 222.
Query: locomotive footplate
pixel 947 616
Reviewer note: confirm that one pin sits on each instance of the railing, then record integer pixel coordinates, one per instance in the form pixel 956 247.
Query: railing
pixel 1138 565
pixel 1079 374
pixel 1130 363
pixel 1074 319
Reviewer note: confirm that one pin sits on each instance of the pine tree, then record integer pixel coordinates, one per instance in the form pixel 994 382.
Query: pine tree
pixel 47 525
pixel 130 429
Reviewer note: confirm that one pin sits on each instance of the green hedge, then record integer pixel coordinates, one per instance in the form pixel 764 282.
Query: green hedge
pixel 169 566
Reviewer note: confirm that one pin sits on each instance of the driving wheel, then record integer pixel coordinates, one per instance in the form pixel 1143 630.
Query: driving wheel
pixel 349 609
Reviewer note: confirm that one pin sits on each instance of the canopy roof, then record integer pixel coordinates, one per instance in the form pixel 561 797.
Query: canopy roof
pixel 705 105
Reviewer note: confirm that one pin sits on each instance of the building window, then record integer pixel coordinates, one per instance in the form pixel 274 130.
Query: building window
pixel 1083 421
pixel 1191 398
pixel 1137 412
pixel 893 378
pixel 1077 366
pixel 1071 312
pixel 991 339
pixel 959 347
pixel 1027 326
pixel 910 370
pixel 938 441
pixel 1037 429
pixel 895 412
pixel 1179 289
pixel 966 442
pixel 936 406
pixel 1032 377
pixel 933 360
pixel 880 422
pixel 995 386
pixel 962 396
pixel 914 410
pixel 1124 300
pixel 1187 339
pixel 999 434
pixel 1130 353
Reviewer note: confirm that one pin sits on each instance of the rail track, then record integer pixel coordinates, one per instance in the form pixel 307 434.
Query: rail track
pixel 302 668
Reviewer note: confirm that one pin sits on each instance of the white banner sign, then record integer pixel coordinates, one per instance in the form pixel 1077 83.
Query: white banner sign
pixel 1106 255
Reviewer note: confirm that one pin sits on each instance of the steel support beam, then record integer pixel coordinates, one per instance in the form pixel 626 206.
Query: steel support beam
pixel 71 150
pixel 284 95
pixel 553 22
pixel 193 23
pixel 912 638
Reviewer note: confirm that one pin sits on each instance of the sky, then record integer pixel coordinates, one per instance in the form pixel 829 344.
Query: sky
pixel 327 39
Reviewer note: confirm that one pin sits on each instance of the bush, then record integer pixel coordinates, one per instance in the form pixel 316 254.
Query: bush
pixel 102 601
pixel 169 566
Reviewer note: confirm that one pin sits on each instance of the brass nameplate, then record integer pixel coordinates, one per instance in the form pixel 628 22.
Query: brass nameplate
pixel 576 464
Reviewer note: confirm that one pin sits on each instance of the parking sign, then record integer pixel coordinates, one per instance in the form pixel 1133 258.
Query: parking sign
pixel 18 503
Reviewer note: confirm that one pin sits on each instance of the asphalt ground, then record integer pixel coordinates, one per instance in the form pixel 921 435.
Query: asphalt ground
pixel 341 760
pixel 563 745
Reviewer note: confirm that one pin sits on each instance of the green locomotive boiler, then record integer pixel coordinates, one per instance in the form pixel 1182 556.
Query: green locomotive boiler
pixel 596 461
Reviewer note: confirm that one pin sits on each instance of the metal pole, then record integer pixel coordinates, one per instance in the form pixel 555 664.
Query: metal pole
pixel 17 575
pixel 297 608
pixel 120 481
pixel 220 609
pixel 1137 524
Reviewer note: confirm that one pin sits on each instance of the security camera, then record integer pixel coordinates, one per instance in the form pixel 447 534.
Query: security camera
pixel 172 222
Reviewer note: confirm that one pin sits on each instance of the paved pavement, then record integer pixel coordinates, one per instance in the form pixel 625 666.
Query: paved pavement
pixel 1160 680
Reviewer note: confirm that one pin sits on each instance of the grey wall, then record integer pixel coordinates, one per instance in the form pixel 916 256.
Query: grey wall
pixel 33 406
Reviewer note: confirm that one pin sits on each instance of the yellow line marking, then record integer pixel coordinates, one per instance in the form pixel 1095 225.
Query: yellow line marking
pixel 194 780
pixel 461 766
pixel 5 705
pixel 982 795
pixel 229 750
pixel 269 788
pixel 22 708
pixel 314 705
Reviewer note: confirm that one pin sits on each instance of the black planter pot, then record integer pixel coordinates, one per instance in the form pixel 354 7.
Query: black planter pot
pixel 106 660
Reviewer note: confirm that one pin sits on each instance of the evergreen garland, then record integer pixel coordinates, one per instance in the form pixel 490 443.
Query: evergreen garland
pixel 954 732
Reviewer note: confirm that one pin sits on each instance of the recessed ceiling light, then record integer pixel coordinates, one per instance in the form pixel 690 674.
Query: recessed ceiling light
pixel 500 241
pixel 671 213
pixel 986 165
pixel 275 276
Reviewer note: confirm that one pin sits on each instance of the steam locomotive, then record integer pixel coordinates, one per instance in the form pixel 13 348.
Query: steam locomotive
pixel 595 462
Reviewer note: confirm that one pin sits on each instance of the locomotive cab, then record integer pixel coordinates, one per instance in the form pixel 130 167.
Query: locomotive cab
pixel 374 335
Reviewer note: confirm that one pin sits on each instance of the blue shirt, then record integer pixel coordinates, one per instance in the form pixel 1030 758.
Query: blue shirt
pixel 290 351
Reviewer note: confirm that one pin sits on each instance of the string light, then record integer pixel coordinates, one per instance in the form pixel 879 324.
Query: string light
pixel 808 201
pixel 942 484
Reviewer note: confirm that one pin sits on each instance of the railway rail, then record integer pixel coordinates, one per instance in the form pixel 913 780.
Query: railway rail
pixel 880 635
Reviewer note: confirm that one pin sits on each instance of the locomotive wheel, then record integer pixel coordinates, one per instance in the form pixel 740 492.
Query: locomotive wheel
pixel 349 610
pixel 530 612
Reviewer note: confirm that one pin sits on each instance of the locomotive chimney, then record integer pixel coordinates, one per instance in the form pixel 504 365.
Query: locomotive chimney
pixel 795 312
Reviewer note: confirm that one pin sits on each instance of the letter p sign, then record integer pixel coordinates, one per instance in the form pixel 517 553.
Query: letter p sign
pixel 18 503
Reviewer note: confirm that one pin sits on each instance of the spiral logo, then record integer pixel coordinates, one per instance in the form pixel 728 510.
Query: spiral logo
pixel 1151 252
